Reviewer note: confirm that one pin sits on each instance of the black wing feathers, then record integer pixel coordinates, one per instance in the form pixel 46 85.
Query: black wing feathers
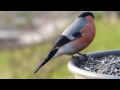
pixel 76 35
pixel 61 41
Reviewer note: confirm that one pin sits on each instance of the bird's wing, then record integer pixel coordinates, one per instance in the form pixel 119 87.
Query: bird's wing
pixel 71 33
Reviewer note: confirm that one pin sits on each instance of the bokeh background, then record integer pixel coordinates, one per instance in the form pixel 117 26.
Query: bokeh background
pixel 27 36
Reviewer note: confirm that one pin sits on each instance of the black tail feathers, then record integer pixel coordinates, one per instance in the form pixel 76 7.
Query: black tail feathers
pixel 51 54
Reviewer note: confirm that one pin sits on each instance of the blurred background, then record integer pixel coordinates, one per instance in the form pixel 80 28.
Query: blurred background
pixel 27 36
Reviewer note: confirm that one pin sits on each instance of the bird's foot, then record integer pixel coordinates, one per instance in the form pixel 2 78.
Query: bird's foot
pixel 79 53
pixel 73 56
pixel 82 54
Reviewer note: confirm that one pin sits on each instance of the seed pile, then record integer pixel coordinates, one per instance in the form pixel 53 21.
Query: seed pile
pixel 106 65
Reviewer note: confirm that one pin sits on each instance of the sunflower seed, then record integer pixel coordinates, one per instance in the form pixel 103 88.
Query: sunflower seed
pixel 106 65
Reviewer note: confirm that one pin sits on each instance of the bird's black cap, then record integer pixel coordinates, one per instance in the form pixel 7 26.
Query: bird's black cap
pixel 86 14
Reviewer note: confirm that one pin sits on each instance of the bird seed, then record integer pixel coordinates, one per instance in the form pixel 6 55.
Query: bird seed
pixel 106 65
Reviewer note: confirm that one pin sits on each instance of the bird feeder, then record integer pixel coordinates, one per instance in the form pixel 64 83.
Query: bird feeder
pixel 79 73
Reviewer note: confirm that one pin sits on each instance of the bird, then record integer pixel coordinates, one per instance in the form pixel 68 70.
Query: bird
pixel 74 39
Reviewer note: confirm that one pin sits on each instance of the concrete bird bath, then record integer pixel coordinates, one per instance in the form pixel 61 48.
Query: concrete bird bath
pixel 73 66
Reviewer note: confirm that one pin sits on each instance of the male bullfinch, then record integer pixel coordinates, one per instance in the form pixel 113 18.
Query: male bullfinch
pixel 74 39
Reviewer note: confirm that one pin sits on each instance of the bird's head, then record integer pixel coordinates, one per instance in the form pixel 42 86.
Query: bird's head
pixel 85 14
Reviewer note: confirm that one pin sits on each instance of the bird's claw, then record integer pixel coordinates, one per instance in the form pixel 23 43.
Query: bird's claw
pixel 83 54
pixel 73 56
pixel 79 53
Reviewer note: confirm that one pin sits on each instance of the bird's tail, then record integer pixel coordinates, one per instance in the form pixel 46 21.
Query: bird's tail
pixel 51 54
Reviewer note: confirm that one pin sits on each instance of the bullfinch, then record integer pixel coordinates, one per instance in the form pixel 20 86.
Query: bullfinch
pixel 74 39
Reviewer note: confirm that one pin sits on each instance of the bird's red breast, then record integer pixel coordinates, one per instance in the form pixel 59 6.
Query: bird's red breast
pixel 88 32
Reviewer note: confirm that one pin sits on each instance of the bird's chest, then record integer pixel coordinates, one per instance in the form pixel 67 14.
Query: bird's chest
pixel 81 43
